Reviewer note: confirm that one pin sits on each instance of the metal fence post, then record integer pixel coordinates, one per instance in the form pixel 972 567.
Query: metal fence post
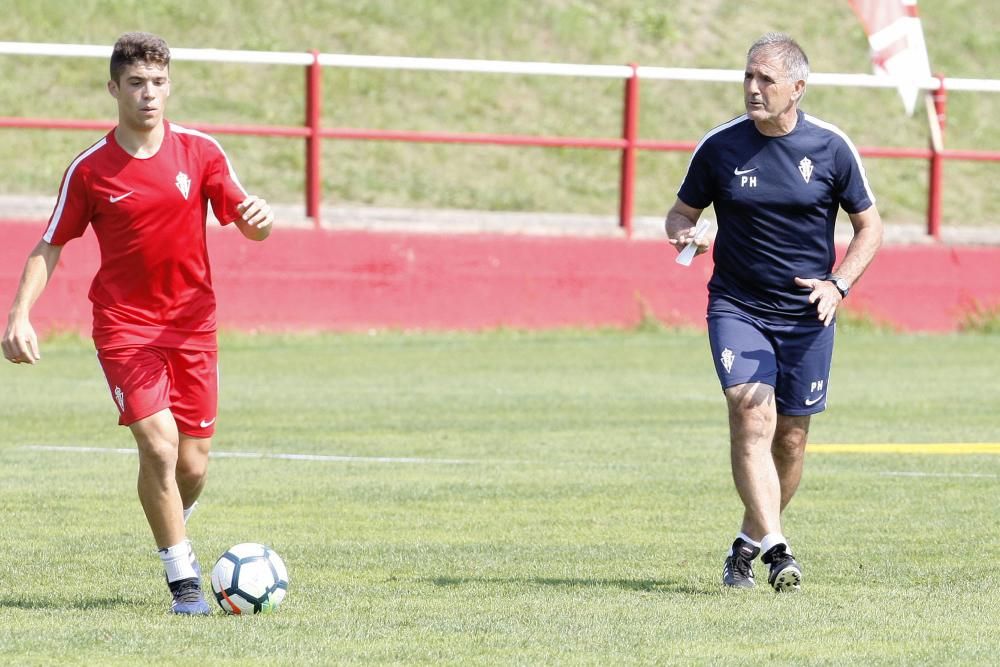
pixel 314 96
pixel 630 130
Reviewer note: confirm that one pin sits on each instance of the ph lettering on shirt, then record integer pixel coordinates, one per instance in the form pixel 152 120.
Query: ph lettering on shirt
pixel 748 180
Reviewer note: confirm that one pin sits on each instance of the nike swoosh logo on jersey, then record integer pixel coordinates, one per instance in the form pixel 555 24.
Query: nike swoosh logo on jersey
pixel 740 172
pixel 814 401
pixel 207 423
pixel 120 197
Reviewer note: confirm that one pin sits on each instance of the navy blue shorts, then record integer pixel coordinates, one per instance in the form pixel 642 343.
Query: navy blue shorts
pixel 792 357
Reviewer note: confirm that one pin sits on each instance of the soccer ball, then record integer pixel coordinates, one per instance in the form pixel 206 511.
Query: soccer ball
pixel 249 578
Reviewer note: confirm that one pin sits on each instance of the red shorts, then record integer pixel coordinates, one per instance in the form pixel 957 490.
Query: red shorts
pixel 144 380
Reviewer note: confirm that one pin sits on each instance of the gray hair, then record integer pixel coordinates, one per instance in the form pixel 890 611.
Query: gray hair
pixel 793 59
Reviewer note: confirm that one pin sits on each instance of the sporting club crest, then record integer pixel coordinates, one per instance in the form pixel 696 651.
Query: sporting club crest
pixel 806 168
pixel 184 183
pixel 727 358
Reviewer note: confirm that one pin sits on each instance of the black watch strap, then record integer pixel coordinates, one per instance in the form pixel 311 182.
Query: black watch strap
pixel 841 284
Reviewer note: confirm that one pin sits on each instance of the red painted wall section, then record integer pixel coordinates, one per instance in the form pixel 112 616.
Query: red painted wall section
pixel 352 280
pixel 313 279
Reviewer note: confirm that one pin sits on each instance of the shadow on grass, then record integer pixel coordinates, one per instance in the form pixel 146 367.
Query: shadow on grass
pixel 645 585
pixel 7 602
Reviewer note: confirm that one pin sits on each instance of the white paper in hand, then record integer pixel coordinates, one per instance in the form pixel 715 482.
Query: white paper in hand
pixel 687 254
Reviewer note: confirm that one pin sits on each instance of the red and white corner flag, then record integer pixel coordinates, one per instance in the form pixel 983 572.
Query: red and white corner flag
pixel 897 42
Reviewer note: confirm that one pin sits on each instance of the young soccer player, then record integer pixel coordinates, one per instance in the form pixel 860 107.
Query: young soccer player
pixel 145 189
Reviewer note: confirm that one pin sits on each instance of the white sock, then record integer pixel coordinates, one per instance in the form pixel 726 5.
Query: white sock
pixel 177 561
pixel 188 511
pixel 771 540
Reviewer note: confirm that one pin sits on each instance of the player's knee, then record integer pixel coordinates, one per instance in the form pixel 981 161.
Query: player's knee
pixel 157 453
pixel 191 471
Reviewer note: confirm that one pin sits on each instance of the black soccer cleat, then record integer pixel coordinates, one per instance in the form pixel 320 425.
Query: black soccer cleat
pixel 188 599
pixel 784 574
pixel 738 572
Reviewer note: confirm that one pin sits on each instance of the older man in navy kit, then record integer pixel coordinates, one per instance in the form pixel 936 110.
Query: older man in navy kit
pixel 777 178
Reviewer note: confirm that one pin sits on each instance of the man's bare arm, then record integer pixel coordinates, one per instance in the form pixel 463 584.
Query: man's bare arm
pixel 680 224
pixel 866 242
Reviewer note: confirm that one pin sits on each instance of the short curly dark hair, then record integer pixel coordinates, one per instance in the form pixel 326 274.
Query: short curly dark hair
pixel 135 47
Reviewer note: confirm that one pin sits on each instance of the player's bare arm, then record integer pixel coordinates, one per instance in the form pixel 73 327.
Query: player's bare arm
pixel 20 343
pixel 860 253
pixel 256 218
pixel 680 224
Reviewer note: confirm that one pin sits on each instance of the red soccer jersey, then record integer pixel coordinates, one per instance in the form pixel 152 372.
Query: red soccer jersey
pixel 154 284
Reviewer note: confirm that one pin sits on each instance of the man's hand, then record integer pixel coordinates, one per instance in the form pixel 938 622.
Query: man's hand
pixel 680 227
pixel 824 294
pixel 680 241
pixel 256 218
pixel 20 344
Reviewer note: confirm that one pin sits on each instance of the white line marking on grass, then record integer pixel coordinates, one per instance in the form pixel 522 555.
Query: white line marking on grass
pixel 909 448
pixel 938 474
pixel 287 457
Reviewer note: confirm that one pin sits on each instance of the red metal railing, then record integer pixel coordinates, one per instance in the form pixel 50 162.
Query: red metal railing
pixel 629 144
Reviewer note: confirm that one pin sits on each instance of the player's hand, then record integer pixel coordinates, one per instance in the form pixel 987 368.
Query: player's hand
pixel 256 212
pixel 824 294
pixel 20 344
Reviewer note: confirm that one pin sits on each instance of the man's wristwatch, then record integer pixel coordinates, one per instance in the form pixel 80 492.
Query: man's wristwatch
pixel 841 284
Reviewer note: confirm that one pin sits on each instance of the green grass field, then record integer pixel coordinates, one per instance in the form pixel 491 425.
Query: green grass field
pixel 507 497
pixel 963 41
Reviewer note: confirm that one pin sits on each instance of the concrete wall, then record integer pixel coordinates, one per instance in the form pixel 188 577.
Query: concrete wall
pixel 351 280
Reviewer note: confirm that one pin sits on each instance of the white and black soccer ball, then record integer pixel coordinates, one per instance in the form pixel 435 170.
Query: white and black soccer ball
pixel 249 578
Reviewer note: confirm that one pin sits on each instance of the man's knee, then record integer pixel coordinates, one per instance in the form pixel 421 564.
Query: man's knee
pixel 752 415
pixel 752 397
pixel 790 437
pixel 787 451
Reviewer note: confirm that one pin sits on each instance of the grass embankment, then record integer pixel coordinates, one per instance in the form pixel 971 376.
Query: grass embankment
pixel 679 33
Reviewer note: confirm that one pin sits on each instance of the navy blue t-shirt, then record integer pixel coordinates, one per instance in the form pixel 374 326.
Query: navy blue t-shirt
pixel 776 201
